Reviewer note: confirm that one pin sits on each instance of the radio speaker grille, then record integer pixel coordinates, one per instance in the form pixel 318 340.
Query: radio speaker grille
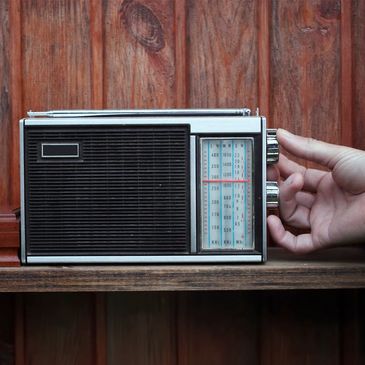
pixel 127 192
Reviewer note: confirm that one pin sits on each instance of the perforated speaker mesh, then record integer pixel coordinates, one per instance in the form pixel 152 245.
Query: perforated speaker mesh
pixel 127 192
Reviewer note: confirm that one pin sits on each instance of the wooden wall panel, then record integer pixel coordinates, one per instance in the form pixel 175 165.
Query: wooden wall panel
pixel 301 61
pixel 141 329
pixel 301 328
pixel 59 329
pixel 346 73
pixel 5 116
pixel 56 54
pixel 263 61
pixel 305 68
pixel 139 58
pixel 353 328
pixel 16 102
pixel 305 327
pixel 97 54
pixel 358 123
pixel 219 328
pixel 100 328
pixel 9 181
pixel 222 53
pixel 6 329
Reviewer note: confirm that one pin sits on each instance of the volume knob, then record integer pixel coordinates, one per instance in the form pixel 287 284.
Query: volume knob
pixel 272 147
pixel 272 194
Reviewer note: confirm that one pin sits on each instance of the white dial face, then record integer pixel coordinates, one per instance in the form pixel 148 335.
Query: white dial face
pixel 226 193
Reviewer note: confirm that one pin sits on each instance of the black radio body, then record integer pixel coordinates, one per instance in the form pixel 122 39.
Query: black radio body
pixel 145 186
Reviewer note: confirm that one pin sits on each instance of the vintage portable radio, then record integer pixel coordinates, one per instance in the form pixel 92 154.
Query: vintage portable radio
pixel 145 186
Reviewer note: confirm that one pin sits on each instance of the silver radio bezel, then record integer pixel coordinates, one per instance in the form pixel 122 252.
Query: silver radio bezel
pixel 211 125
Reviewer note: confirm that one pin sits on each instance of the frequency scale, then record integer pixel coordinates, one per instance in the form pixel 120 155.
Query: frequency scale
pixel 145 186
pixel 226 198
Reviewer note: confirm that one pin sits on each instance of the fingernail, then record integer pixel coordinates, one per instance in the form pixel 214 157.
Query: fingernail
pixel 289 180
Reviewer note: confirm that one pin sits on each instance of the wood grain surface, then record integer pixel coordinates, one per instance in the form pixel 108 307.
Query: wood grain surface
pixel 346 66
pixel 336 268
pixel 358 75
pixel 58 329
pixel 257 327
pixel 305 68
pixel 9 240
pixel 56 55
pixel 16 100
pixel 141 328
pixel 301 328
pixel 139 46
pixel 222 48
pixel 5 114
pixel 226 324
pixel 352 327
pixel 7 330
pixel 301 62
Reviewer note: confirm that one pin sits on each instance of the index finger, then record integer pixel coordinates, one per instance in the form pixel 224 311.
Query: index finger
pixel 325 154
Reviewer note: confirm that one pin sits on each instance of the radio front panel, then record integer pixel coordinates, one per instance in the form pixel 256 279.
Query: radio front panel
pixel 143 189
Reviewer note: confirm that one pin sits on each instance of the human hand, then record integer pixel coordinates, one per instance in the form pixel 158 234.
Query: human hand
pixel 330 204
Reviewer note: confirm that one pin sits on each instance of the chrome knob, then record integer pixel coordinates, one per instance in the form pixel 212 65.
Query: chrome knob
pixel 272 194
pixel 272 146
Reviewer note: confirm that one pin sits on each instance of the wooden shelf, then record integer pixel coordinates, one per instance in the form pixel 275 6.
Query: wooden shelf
pixel 330 269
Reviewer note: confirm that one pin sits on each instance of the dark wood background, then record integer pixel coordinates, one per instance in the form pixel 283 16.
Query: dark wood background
pixel 301 62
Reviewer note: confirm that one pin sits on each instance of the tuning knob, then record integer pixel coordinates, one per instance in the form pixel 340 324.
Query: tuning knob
pixel 272 146
pixel 272 194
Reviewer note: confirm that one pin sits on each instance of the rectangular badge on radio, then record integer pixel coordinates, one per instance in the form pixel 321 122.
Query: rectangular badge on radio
pixel 60 150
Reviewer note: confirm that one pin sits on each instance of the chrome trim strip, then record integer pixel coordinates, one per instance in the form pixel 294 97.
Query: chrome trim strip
pixel 22 193
pixel 198 125
pixel 77 155
pixel 264 208
pixel 193 221
pixel 139 112
pixel 143 259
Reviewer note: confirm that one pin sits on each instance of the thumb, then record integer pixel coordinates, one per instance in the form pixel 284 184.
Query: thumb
pixel 325 154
